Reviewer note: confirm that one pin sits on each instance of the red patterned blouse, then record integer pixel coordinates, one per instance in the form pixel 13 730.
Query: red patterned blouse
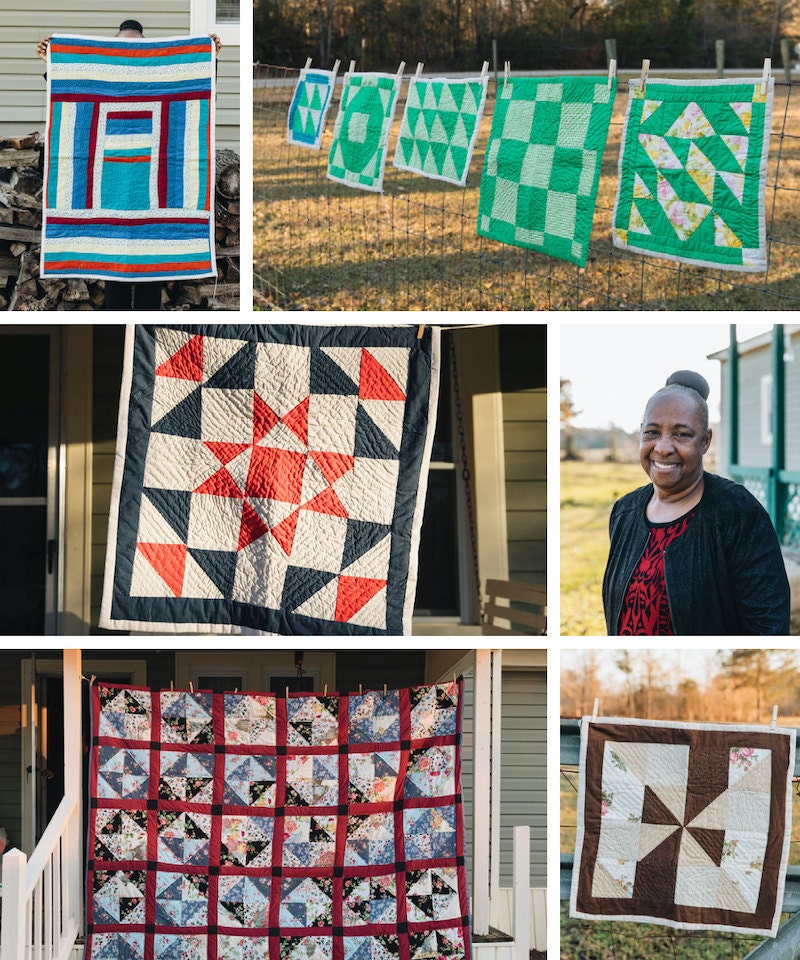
pixel 645 612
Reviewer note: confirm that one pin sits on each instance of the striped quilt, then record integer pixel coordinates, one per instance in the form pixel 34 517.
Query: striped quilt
pixel 129 158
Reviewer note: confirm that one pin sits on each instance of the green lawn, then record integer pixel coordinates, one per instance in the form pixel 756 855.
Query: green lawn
pixel 588 491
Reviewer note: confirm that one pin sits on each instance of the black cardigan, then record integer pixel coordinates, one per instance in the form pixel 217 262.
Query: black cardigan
pixel 725 575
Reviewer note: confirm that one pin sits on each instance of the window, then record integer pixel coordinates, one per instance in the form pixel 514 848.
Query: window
pixel 216 16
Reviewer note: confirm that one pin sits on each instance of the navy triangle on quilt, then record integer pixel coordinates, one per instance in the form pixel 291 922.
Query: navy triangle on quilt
pixel 238 373
pixel 327 377
pixel 185 418
pixel 370 441
pixel 361 537
pixel 301 583
pixel 174 506
pixel 219 566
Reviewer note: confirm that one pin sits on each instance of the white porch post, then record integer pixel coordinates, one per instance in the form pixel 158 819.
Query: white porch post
pixel 522 892
pixel 72 885
pixel 481 792
pixel 14 930
pixel 496 667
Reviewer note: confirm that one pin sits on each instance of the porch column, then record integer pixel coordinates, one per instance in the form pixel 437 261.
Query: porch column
pixel 775 498
pixel 72 888
pixel 733 398
pixel 481 792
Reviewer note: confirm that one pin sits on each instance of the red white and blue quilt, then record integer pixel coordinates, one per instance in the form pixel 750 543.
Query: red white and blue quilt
pixel 270 478
pixel 239 826
pixel 129 164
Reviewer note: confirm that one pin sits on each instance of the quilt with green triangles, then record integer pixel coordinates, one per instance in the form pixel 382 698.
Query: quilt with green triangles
pixel 542 166
pixel 692 172
pixel 309 107
pixel 360 137
pixel 440 126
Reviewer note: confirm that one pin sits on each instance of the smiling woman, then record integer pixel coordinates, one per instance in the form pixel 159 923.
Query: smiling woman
pixel 691 553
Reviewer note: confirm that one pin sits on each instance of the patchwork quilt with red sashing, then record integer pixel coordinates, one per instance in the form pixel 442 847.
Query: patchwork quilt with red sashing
pixel 685 824
pixel 270 478
pixel 241 826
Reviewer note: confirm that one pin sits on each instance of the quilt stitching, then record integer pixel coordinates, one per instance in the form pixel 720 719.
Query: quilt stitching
pixel 440 126
pixel 129 165
pixel 683 824
pixel 361 134
pixel 692 172
pixel 273 482
pixel 376 876
pixel 542 167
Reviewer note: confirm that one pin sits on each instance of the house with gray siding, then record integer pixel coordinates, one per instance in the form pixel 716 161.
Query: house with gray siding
pixel 23 88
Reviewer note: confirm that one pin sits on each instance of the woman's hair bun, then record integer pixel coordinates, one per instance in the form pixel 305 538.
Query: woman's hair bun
pixel 690 379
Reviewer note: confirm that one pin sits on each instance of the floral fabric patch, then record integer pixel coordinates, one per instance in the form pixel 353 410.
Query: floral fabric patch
pixel 245 826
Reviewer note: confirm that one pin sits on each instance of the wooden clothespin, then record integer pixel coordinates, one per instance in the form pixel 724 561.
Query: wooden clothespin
pixel 766 75
pixel 643 78
pixel 420 331
pixel 336 68
pixel 235 689
pixel 454 679
pixel 308 64
pixel 352 67
pixel 172 685
pixel 418 74
pixel 485 70
pixel 92 680
pixel 385 689
pixel 595 707
pixel 774 716
pixel 325 690
pixel 287 693
pixel 191 687
pixel 401 69
pixel 612 72
pixel 507 71
pixel 359 690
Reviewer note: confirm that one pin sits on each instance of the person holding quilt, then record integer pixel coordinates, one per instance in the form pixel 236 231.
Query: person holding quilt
pixel 119 294
pixel 692 553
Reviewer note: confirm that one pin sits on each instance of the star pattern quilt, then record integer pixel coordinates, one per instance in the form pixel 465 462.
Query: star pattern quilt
pixel 440 126
pixel 309 108
pixel 129 166
pixel 542 165
pixel 238 826
pixel 270 478
pixel 361 134
pixel 692 172
pixel 683 824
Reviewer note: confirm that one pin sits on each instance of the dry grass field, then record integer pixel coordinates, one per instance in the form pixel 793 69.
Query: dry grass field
pixel 319 245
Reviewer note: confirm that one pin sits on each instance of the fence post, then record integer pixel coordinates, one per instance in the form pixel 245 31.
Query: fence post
pixel 14 930
pixel 611 50
pixel 720 50
pixel 522 892
pixel 786 59
pixel 494 60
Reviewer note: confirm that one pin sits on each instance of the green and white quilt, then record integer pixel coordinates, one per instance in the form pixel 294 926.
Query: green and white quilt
pixel 361 134
pixel 440 127
pixel 542 167
pixel 692 172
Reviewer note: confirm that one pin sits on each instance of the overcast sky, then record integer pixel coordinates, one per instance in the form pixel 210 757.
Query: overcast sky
pixel 615 368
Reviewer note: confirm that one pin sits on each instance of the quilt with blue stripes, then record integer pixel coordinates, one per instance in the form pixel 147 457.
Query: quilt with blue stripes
pixel 129 168
pixel 245 826
pixel 270 478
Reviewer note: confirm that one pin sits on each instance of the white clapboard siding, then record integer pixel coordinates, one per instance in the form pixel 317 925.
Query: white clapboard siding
pixel 23 88
pixel 525 443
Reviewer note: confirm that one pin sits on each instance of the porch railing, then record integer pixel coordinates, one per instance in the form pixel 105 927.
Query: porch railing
pixel 779 494
pixel 42 901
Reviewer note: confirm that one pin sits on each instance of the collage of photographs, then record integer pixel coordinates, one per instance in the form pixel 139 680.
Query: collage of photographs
pixel 536 406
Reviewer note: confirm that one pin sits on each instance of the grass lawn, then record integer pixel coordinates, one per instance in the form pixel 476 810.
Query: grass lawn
pixel 588 491
pixel 320 245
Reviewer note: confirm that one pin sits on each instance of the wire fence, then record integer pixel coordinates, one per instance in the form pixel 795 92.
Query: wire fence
pixel 321 245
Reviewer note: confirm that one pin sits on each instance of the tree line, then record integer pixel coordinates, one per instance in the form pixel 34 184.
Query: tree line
pixel 532 34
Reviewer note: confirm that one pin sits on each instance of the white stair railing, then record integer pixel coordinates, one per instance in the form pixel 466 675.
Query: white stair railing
pixel 42 896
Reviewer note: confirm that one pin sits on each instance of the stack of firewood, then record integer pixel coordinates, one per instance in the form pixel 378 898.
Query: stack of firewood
pixel 21 288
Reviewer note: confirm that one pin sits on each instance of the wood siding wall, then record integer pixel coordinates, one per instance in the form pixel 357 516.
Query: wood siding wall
pixel 525 432
pixel 23 89
pixel 523 768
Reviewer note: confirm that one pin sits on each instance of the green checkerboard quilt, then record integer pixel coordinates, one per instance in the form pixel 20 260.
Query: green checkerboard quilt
pixel 309 106
pixel 542 167
pixel 361 134
pixel 693 170
pixel 440 126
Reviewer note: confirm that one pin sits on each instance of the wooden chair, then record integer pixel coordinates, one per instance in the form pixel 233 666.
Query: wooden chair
pixel 528 618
